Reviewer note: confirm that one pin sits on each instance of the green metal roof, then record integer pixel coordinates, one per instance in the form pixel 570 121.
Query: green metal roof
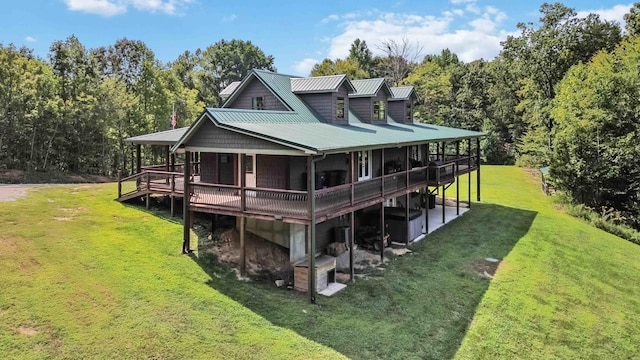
pixel 369 87
pixel 304 129
pixel 319 84
pixel 230 89
pixel 402 93
pixel 167 137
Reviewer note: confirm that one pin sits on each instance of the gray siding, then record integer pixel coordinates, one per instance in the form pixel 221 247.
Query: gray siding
pixel 209 135
pixel 271 172
pixel 362 107
pixel 256 88
pixel 297 166
pixel 321 103
pixel 397 111
pixel 209 167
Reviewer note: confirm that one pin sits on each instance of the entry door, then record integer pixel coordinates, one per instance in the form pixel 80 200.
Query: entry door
pixel 364 165
pixel 250 170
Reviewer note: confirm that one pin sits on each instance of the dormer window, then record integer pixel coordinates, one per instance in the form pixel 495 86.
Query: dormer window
pixel 340 108
pixel 257 103
pixel 409 112
pixel 379 112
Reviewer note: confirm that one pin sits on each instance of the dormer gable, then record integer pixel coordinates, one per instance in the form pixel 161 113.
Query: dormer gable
pixel 327 95
pixel 369 102
pixel 401 104
pixel 226 92
pixel 255 93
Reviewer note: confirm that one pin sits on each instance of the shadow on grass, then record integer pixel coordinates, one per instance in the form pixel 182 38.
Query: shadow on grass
pixel 419 306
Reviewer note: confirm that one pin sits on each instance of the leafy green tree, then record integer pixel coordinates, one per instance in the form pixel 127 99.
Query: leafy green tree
pixel 596 157
pixel 632 20
pixel 348 67
pixel 361 55
pixel 227 61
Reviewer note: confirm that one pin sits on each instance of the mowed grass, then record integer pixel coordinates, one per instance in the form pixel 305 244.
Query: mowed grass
pixel 566 291
pixel 86 277
pixel 82 276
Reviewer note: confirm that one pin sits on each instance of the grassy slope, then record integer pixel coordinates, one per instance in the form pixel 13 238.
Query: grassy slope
pixel 567 290
pixel 94 278
pixel 105 280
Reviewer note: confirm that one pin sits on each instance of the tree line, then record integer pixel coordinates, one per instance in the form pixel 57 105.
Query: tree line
pixel 563 92
pixel 72 111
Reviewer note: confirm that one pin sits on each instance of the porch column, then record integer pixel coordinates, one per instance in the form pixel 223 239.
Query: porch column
pixel 138 158
pixel 166 158
pixel 186 214
pixel 426 188
pixel 406 196
pixel 173 162
pixel 443 205
pixel 311 233
pixel 243 206
pixel 352 235
pixel 469 169
pixel 382 232
pixel 478 160
pixel 457 178
pixel 426 210
pixel 382 229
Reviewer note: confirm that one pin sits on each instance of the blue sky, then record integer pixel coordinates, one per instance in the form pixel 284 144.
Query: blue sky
pixel 297 33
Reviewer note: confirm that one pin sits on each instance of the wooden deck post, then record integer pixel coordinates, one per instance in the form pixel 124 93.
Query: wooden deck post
pixel 382 232
pixel 172 197
pixel 406 196
pixel 173 162
pixel 352 220
pixel 469 184
pixel 138 158
pixel 148 197
pixel 352 235
pixel 457 177
pixel 186 215
pixel 478 160
pixel 443 205
pixel 243 253
pixel 311 250
pixel 426 210
pixel 119 183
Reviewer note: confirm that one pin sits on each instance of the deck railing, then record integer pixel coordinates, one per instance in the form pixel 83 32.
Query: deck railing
pixel 289 203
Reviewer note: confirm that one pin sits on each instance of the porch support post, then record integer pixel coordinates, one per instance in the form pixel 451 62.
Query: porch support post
pixel 382 229
pixel 148 186
pixel 457 177
pixel 351 243
pixel 167 161
pixel 311 250
pixel 426 210
pixel 138 158
pixel 243 206
pixel 243 261
pixel 186 214
pixel 469 169
pixel 352 220
pixel 443 204
pixel 382 232
pixel 406 196
pixel 173 162
pixel 478 160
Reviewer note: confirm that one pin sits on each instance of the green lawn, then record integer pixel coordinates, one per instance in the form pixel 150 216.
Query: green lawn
pixel 83 276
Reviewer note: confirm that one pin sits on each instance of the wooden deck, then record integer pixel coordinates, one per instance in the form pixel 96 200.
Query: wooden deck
pixel 288 205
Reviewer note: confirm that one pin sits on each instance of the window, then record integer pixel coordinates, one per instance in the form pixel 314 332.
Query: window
pixel 340 108
pixel 364 165
pixel 409 112
pixel 379 112
pixel 257 103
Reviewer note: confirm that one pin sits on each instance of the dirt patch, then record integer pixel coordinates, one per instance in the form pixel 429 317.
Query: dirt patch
pixel 27 330
pixel 62 218
pixel 264 260
pixel 12 193
pixel 485 268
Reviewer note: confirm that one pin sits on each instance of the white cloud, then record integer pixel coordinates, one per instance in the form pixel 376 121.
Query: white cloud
pixel 461 1
pixel 30 39
pixel 479 38
pixel 108 8
pixel 304 67
pixel 615 13
pixel 229 18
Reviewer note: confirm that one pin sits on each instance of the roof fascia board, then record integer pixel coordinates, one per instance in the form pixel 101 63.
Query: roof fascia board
pixel 245 151
pixel 393 145
pixel 187 135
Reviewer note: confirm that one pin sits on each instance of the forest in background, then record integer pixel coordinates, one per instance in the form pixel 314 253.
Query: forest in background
pixel 564 92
